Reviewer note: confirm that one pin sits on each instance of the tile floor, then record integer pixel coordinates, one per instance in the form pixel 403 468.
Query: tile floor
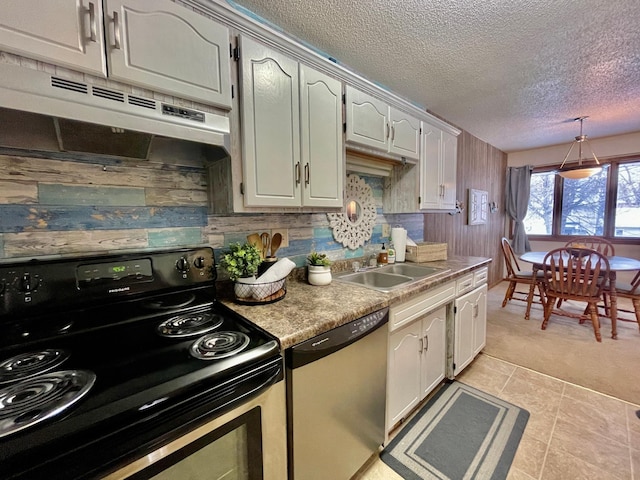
pixel 573 433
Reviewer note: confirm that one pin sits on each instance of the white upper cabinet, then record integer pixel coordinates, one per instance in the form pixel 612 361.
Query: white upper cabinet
pixel 373 123
pixel 404 137
pixel 156 45
pixel 438 169
pixel 322 151
pixel 291 131
pixel 160 44
pixel 367 119
pixel 65 32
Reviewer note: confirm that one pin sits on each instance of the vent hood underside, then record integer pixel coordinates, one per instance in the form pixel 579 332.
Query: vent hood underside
pixel 93 119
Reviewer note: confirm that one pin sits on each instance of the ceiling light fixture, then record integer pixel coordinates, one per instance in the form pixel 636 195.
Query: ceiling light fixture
pixel 579 171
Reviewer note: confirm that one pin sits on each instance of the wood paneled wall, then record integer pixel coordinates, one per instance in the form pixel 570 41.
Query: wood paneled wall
pixel 482 167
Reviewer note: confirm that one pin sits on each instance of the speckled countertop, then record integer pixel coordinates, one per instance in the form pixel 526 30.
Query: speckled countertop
pixel 307 310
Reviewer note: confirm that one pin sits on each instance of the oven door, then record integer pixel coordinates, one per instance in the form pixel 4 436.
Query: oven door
pixel 246 443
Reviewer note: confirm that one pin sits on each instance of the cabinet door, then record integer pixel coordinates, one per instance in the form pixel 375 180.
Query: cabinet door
pixel 64 32
pixel 430 185
pixel 367 119
pixel 480 320
pixel 448 170
pixel 170 48
pixel 405 134
pixel 464 332
pixel 403 383
pixel 322 149
pixel 270 126
pixel 434 344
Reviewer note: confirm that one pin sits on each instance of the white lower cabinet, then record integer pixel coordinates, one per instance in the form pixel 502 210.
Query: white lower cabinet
pixel 470 327
pixel 417 356
pixel 417 350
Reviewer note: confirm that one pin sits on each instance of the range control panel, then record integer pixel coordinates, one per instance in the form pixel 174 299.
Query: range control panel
pixel 77 281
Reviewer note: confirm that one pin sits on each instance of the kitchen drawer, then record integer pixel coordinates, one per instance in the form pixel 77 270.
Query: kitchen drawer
pixel 480 276
pixel 406 312
pixel 464 284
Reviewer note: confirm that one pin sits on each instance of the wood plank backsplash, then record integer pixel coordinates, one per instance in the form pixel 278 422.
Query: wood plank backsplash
pixel 52 205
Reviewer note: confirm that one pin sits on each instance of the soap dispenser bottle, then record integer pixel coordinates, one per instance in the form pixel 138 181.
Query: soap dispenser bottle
pixel 382 256
pixel 391 254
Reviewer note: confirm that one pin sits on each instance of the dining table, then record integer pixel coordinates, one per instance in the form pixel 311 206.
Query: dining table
pixel 616 264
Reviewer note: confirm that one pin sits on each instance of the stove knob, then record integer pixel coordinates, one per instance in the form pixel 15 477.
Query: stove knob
pixel 27 283
pixel 183 264
pixel 199 262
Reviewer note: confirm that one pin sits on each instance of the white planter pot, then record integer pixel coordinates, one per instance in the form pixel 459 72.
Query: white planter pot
pixel 319 275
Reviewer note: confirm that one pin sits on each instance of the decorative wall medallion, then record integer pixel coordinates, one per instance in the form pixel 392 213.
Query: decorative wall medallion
pixel 354 226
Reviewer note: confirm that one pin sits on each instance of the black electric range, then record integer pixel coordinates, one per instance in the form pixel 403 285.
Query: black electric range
pixel 105 358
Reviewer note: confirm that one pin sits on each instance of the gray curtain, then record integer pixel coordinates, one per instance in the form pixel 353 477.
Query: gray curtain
pixel 517 198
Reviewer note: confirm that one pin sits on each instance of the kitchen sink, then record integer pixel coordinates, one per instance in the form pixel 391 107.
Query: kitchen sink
pixel 390 277
pixel 375 279
pixel 414 271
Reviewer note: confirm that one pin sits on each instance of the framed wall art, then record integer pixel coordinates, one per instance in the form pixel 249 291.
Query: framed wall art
pixel 478 207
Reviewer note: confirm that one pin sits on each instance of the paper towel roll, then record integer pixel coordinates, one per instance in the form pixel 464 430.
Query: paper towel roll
pixel 399 239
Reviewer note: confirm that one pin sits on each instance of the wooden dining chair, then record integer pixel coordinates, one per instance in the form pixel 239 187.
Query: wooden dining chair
pixel 517 276
pixel 575 274
pixel 626 290
pixel 599 244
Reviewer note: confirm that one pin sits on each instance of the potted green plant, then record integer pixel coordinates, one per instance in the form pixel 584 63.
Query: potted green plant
pixel 241 263
pixel 319 269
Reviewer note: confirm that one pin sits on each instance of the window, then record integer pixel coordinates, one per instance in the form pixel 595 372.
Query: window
pixel 606 204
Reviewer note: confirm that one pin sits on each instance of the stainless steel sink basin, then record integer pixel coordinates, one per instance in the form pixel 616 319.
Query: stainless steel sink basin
pixel 414 271
pixel 375 279
pixel 390 277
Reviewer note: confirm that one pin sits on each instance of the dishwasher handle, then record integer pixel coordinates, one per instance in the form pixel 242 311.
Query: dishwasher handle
pixel 336 339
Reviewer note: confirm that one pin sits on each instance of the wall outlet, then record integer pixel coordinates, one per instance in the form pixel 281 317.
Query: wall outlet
pixel 285 236
pixel 386 232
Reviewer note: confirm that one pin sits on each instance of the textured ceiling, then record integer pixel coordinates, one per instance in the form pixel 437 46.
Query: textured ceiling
pixel 514 73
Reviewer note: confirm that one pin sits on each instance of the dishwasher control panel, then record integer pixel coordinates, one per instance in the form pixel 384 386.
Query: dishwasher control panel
pixel 340 337
pixel 369 322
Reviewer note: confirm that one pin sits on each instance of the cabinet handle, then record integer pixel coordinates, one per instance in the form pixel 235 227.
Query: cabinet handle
pixel 387 130
pixel 475 311
pixel 426 343
pixel 92 22
pixel 298 173
pixel 421 345
pixel 116 30
pixel 306 173
pixel 393 133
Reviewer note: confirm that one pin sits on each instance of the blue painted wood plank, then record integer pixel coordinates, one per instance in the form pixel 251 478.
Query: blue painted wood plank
pixel 57 194
pixel 175 237
pixel 21 218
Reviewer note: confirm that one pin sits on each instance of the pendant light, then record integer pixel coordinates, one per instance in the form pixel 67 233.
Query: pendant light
pixel 579 171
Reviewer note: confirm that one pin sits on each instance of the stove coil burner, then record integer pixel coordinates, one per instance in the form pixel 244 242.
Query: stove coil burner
pixel 36 399
pixel 30 364
pixel 169 302
pixel 219 345
pixel 190 325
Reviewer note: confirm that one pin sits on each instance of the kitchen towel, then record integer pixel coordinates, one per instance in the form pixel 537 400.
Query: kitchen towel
pixel 278 271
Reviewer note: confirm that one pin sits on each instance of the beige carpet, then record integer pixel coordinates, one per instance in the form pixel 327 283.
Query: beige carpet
pixel 566 349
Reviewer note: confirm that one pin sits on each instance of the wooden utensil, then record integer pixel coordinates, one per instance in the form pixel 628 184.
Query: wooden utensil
pixel 254 239
pixel 266 243
pixel 275 243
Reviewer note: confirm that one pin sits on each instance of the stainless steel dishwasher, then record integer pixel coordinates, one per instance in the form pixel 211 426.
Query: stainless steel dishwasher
pixel 336 389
